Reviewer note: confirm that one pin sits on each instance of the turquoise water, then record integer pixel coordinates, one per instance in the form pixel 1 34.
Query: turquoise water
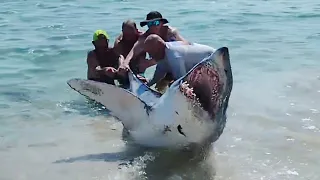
pixel 48 131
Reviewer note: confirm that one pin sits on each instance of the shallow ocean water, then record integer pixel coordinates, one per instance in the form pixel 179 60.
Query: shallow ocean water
pixel 49 131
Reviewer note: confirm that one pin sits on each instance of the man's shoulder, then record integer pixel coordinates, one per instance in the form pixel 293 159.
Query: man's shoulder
pixel 91 53
pixel 91 57
pixel 118 39
pixel 173 31
pixel 143 36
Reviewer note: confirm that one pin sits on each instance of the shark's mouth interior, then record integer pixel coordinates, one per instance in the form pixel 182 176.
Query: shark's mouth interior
pixel 202 86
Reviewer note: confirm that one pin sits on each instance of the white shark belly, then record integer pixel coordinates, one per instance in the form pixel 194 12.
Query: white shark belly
pixel 174 124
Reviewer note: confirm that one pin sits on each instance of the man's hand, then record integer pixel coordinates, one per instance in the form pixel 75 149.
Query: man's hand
pixel 108 71
pixel 143 79
pixel 123 68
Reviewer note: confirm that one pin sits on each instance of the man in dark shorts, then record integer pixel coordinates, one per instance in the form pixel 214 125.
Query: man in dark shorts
pixel 103 61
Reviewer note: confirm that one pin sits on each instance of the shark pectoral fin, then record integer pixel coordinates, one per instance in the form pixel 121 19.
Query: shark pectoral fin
pixel 128 108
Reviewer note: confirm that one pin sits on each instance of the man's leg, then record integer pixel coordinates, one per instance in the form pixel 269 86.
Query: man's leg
pixel 165 82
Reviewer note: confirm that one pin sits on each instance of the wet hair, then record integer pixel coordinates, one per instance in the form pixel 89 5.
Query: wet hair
pixel 155 45
pixel 129 23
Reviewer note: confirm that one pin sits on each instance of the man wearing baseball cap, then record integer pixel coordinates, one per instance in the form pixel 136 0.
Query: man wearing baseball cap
pixel 102 61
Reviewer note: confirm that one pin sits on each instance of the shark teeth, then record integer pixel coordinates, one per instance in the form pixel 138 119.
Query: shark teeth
pixel 186 90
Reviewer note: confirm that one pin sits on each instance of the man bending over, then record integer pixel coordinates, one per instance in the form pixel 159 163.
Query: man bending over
pixel 173 57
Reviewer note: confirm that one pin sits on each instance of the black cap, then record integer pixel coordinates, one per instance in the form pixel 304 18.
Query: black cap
pixel 153 16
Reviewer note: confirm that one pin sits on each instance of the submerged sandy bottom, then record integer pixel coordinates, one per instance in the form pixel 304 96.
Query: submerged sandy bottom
pixel 273 138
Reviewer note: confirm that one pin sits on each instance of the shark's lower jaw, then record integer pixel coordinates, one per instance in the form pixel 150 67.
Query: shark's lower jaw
pixel 201 87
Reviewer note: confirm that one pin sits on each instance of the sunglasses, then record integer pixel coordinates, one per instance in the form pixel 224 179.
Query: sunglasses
pixel 153 23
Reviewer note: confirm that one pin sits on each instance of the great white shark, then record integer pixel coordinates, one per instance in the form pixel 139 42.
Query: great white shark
pixel 193 110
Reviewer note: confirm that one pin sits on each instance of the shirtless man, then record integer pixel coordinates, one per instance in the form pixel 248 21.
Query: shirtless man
pixel 102 61
pixel 176 57
pixel 124 43
pixel 157 25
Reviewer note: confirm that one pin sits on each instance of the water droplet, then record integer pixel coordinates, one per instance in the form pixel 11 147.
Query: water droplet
pixel 237 139
pixel 290 139
pixel 310 127
pixel 293 172
pixel 30 51
pixel 306 119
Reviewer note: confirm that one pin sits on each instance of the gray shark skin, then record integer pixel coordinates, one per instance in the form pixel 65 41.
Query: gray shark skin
pixel 174 119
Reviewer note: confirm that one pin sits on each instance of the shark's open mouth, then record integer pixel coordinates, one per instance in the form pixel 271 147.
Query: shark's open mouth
pixel 202 86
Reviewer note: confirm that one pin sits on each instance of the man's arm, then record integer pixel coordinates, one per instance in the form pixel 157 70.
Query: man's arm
pixel 159 73
pixel 136 50
pixel 92 65
pixel 120 59
pixel 92 61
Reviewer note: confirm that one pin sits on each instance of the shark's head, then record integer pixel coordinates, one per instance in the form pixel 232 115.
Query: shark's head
pixel 207 88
